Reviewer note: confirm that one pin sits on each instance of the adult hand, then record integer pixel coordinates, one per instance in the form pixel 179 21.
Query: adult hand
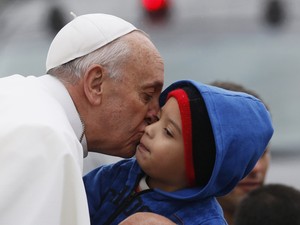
pixel 146 218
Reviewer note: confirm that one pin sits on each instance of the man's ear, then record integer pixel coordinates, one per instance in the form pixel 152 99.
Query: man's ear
pixel 92 82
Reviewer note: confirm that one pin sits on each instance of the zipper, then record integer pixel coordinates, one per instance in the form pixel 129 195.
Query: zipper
pixel 133 194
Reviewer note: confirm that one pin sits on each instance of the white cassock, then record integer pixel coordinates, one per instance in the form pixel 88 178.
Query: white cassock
pixel 41 155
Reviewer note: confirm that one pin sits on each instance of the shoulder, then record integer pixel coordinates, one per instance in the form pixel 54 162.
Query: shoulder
pixel 201 211
pixel 119 170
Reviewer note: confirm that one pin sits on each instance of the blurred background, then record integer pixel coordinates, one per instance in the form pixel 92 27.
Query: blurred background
pixel 254 43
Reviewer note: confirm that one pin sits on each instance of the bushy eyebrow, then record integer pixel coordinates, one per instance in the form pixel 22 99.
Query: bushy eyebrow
pixel 154 84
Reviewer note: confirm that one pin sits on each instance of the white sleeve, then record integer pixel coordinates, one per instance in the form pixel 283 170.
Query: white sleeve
pixel 41 181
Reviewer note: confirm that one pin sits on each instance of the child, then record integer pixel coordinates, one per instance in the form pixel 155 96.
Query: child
pixel 205 141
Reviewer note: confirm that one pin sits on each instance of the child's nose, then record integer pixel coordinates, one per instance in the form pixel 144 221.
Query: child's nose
pixel 149 130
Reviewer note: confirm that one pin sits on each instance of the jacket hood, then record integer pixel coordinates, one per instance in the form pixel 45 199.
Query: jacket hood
pixel 242 129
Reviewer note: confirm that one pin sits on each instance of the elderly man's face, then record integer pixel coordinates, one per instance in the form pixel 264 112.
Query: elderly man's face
pixel 131 102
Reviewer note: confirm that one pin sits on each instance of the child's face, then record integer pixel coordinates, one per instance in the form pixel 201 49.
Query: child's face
pixel 161 150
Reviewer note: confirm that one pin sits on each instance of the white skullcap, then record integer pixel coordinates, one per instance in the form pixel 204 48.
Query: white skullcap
pixel 83 35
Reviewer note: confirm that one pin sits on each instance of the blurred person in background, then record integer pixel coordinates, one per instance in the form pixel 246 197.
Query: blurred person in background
pixel 256 177
pixel 104 78
pixel 271 204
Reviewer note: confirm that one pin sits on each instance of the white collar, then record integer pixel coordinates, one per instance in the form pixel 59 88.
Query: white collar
pixel 143 184
pixel 61 94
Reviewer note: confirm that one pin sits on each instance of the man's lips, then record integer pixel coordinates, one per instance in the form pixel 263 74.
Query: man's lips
pixel 136 139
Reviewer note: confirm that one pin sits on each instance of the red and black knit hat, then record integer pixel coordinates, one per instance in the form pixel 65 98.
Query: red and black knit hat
pixel 199 143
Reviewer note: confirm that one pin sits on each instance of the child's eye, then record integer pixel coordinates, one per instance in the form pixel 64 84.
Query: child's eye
pixel 168 132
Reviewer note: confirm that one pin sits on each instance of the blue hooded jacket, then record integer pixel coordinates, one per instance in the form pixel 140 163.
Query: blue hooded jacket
pixel 242 129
